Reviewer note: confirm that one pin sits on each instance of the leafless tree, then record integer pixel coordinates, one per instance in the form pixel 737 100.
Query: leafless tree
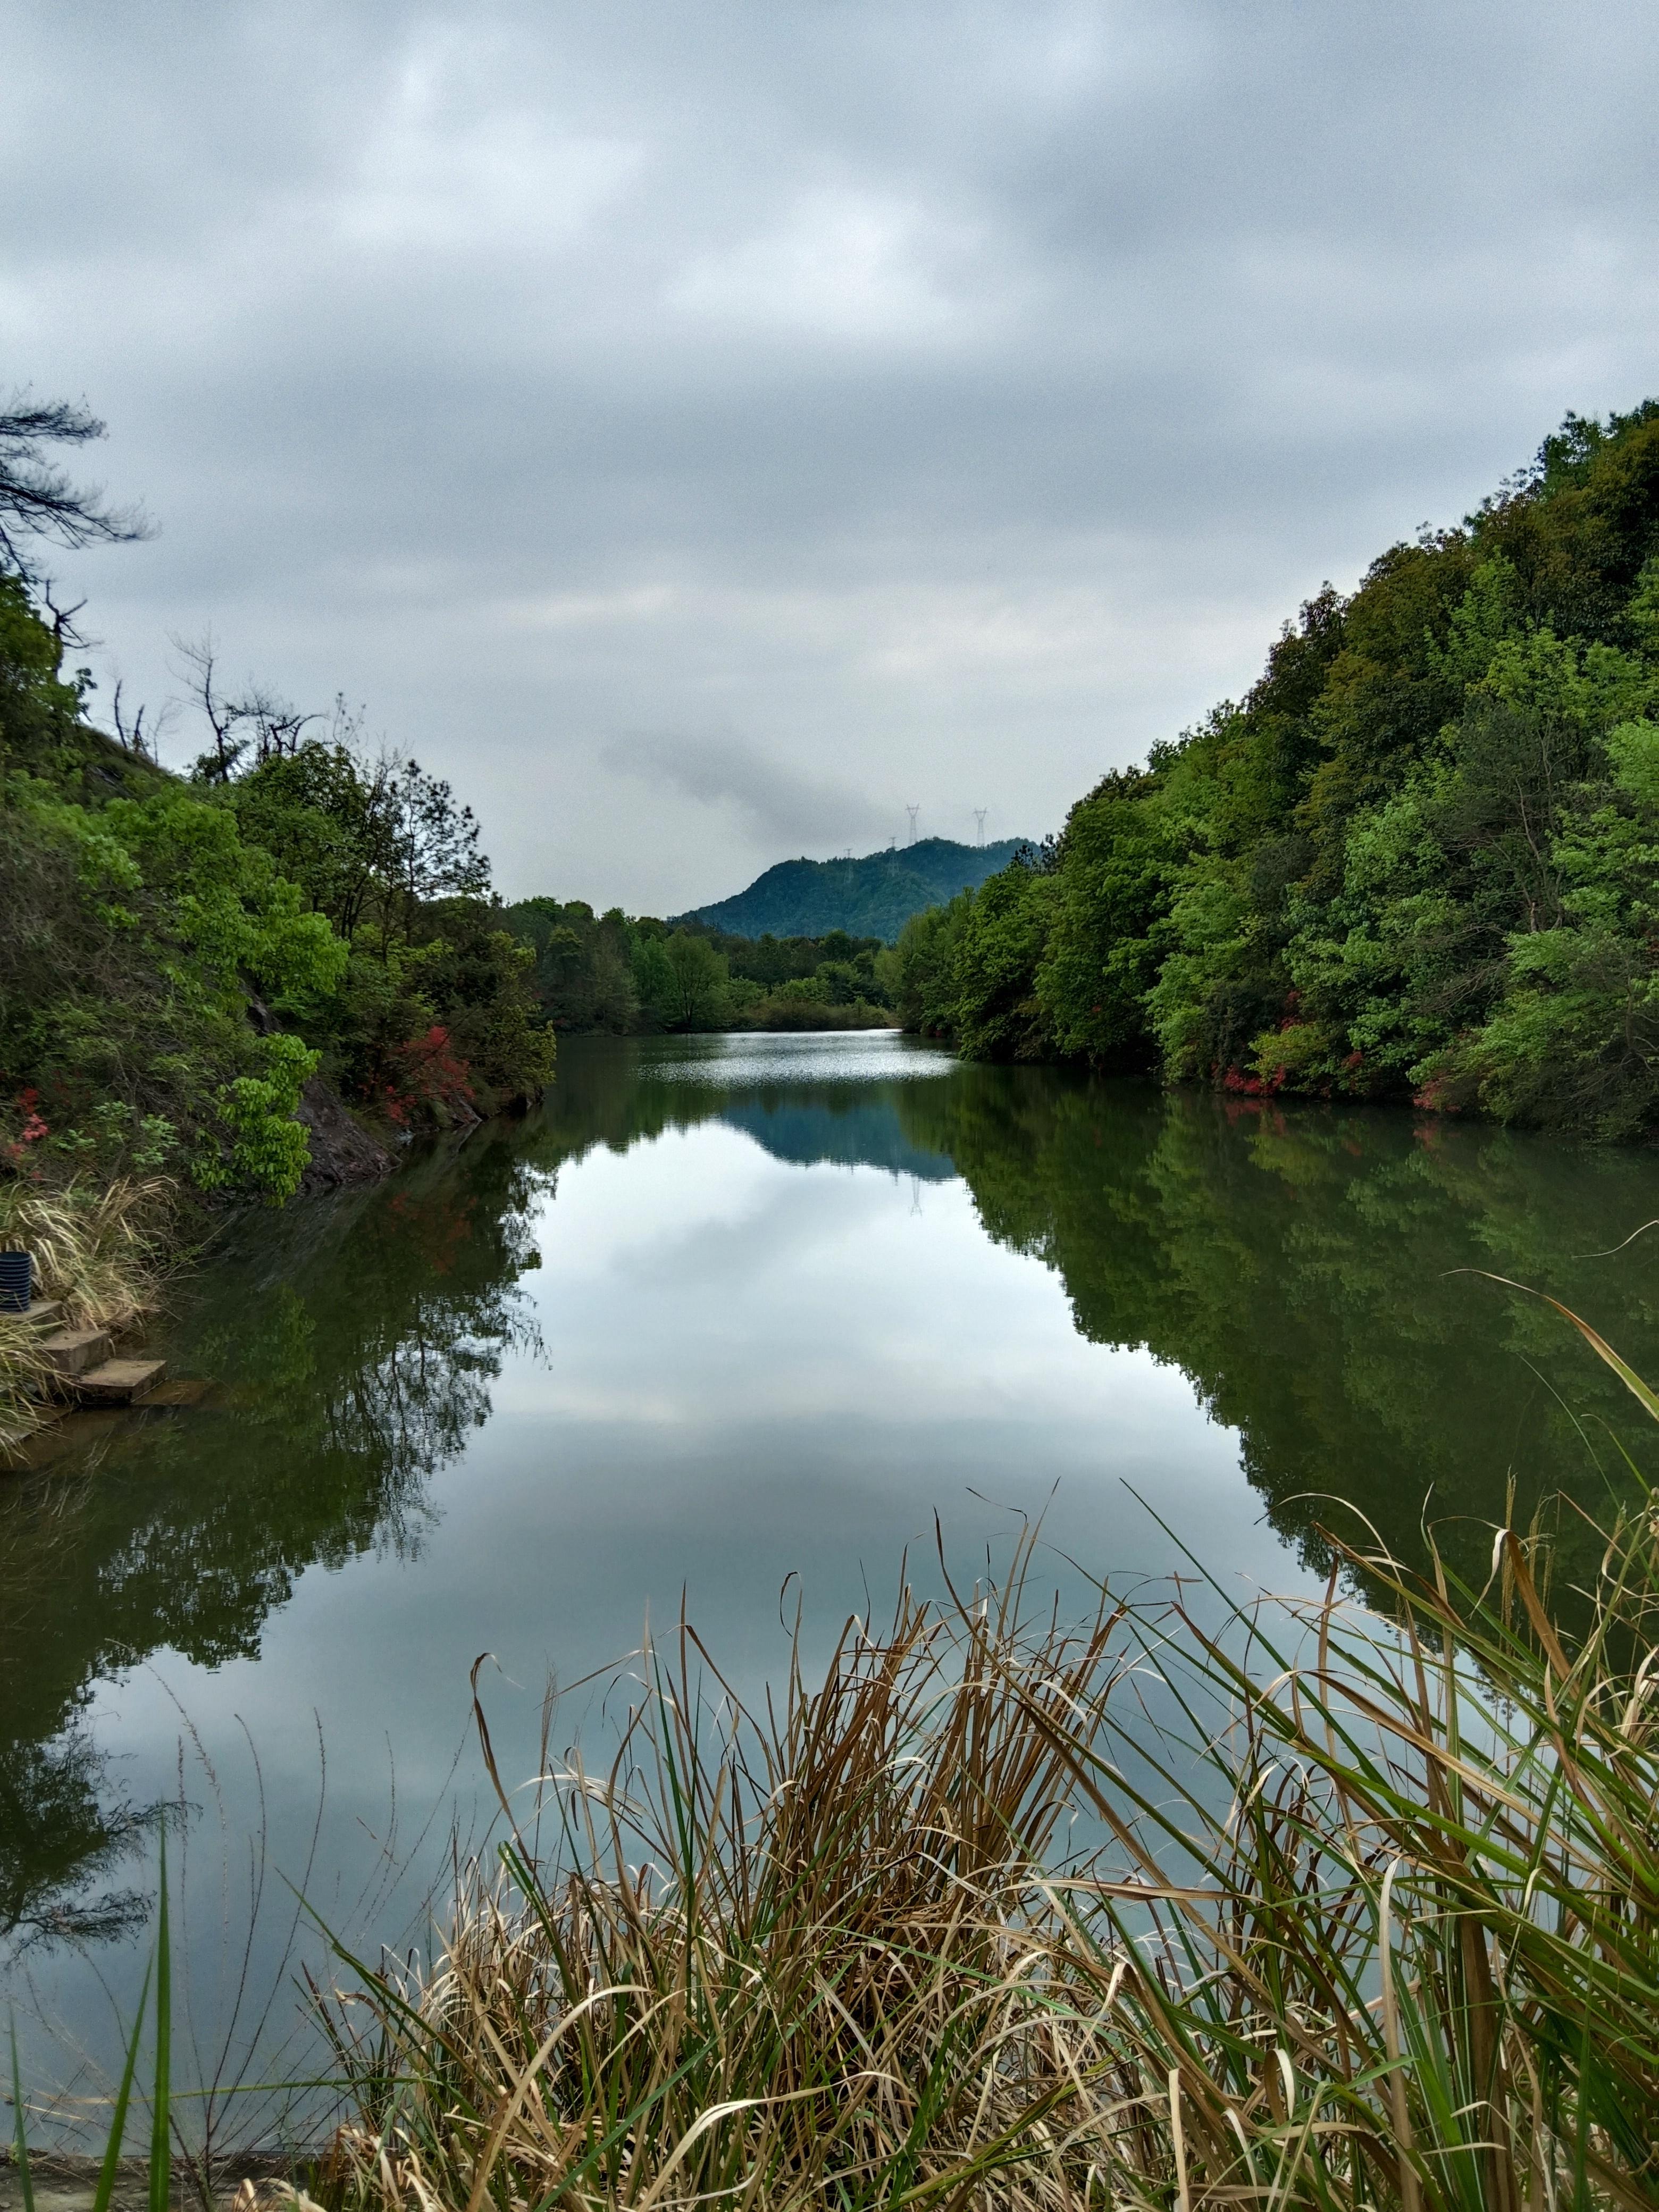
pixel 257 718
pixel 37 499
pixel 63 618
pixel 277 726
pixel 197 670
pixel 138 733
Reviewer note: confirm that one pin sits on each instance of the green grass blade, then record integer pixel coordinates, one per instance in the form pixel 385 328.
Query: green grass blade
pixel 1627 1375
pixel 160 2161
pixel 118 2126
pixel 23 2173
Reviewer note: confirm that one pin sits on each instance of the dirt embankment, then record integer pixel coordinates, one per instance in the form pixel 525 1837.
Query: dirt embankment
pixel 343 1154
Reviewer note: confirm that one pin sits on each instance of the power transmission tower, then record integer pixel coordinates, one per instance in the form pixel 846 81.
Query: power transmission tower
pixel 980 813
pixel 913 811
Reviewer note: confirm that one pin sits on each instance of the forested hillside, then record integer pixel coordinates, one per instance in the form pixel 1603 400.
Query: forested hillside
pixel 874 896
pixel 1418 860
pixel 181 957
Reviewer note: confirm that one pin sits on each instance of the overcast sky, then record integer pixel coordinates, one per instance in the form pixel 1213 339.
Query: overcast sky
pixel 703 429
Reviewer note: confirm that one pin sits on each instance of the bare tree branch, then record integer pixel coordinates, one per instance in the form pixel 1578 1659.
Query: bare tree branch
pixel 129 731
pixel 63 619
pixel 37 499
pixel 257 717
pixel 200 674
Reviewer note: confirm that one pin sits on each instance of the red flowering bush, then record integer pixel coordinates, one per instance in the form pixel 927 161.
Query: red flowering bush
pixel 427 1083
pixel 23 1125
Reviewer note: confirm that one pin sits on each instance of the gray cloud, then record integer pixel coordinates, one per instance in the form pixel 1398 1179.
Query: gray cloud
pixel 961 392
pixel 777 807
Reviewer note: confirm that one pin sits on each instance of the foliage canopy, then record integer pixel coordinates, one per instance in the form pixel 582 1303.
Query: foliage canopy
pixel 1420 860
pixel 182 957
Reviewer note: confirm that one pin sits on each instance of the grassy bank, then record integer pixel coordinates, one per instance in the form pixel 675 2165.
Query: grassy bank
pixel 100 1250
pixel 1368 1916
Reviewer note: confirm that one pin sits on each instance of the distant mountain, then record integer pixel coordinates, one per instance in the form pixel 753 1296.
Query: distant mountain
pixel 866 1135
pixel 871 898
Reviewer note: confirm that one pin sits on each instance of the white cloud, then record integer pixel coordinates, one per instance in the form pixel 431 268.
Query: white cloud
pixel 773 803
pixel 852 266
pixel 512 184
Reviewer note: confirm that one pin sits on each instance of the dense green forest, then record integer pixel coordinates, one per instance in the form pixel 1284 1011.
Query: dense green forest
pixel 183 956
pixel 1418 860
pixel 874 896
pixel 611 973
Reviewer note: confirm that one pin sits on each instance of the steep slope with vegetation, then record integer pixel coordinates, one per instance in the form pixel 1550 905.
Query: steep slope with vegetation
pixel 874 896
pixel 1420 860
pixel 183 956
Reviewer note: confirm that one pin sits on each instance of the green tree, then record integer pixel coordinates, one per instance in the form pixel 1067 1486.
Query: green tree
pixel 1003 937
pixel 138 929
pixel 924 981
pixel 1412 862
pixel 181 958
pixel 583 972
pixel 1100 954
pixel 698 996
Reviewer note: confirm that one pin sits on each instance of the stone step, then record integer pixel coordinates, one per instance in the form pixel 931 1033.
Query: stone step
pixel 72 1351
pixel 185 1390
pixel 119 1381
pixel 43 1313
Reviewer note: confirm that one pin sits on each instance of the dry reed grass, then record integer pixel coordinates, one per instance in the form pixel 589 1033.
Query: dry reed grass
pixel 98 1249
pixel 1370 1916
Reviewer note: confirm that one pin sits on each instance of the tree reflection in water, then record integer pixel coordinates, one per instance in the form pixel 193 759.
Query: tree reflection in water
pixel 351 1347
pixel 1298 1266
pixel 1305 1270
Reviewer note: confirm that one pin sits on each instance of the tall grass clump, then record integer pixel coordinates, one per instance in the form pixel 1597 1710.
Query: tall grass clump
pixel 1323 1904
pixel 796 1959
pixel 26 1376
pixel 99 1248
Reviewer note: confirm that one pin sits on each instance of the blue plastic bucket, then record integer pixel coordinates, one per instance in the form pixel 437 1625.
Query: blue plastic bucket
pixel 16 1277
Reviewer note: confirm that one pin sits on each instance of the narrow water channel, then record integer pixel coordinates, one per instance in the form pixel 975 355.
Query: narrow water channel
pixel 726 1324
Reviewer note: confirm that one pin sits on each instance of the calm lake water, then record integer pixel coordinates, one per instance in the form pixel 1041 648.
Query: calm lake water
pixel 728 1322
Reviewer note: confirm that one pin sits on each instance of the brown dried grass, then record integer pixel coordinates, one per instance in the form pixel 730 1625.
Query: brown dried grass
pixel 1375 1922
pixel 100 1250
